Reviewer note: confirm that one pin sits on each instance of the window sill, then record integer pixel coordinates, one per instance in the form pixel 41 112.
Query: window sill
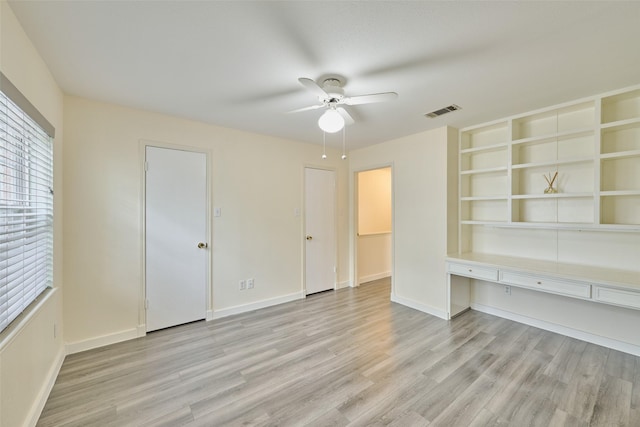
pixel 19 323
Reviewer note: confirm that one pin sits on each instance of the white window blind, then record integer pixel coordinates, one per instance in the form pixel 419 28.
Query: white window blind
pixel 26 210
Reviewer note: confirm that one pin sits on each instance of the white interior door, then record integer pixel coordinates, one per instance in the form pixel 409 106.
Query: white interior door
pixel 176 224
pixel 320 254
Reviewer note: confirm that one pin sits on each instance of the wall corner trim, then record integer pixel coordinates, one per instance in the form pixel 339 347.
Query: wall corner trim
pixel 344 284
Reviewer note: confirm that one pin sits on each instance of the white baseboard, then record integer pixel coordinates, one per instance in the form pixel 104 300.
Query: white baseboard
pixel 419 306
pixel 78 346
pixel 371 277
pixel 140 331
pixel 224 312
pixel 43 395
pixel 560 329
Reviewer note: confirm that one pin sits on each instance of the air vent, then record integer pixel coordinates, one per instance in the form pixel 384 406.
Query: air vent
pixel 445 110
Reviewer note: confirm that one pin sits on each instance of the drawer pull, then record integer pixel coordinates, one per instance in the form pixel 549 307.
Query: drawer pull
pixel 470 271
pixel 539 283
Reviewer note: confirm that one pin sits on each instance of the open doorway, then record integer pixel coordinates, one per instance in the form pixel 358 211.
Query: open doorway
pixel 374 242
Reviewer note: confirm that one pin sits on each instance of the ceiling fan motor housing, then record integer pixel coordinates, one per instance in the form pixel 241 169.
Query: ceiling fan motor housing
pixel 334 89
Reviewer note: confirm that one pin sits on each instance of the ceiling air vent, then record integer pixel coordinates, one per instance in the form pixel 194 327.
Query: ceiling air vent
pixel 445 110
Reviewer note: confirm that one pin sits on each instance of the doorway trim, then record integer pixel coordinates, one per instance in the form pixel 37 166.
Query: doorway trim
pixel 304 225
pixel 354 235
pixel 142 148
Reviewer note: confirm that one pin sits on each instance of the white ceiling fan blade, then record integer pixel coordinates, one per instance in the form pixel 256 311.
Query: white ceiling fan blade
pixel 313 87
pixel 345 115
pixel 369 99
pixel 312 107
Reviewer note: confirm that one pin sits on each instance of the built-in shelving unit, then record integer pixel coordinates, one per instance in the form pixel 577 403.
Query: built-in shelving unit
pixel 484 174
pixel 620 159
pixel 570 253
pixel 594 147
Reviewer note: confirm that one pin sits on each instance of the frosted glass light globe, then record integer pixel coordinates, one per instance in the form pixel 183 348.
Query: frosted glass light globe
pixel 331 121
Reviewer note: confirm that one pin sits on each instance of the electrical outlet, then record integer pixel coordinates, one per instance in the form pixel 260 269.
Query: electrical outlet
pixel 249 283
pixel 507 290
pixel 243 285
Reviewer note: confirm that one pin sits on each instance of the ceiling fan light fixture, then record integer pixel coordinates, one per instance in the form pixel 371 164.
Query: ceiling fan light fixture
pixel 331 121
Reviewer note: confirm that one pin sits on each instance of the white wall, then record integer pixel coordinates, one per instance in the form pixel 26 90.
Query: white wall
pixel 374 257
pixel 374 201
pixel 374 224
pixel 257 181
pixel 422 212
pixel 30 355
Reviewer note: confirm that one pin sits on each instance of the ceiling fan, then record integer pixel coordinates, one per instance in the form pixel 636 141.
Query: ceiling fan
pixel 331 97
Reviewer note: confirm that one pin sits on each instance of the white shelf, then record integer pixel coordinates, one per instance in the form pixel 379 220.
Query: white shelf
pixel 620 228
pixel 620 193
pixel 621 154
pixel 554 136
pixel 552 196
pixel 554 225
pixel 486 170
pixel 476 198
pixel 552 163
pixel 494 147
pixel 620 124
pixel 492 223
pixel 623 228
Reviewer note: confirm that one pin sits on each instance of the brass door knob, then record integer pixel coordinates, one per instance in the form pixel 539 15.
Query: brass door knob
pixel 202 245
pixel 309 238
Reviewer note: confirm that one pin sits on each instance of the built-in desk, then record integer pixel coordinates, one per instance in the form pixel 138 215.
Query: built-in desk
pixel 600 285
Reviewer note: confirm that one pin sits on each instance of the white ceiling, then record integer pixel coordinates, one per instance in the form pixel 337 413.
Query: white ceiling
pixel 236 63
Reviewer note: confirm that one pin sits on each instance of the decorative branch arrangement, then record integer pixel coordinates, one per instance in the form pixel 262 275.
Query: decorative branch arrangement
pixel 550 180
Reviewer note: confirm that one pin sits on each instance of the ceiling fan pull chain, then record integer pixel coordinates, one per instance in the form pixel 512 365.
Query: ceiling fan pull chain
pixel 324 145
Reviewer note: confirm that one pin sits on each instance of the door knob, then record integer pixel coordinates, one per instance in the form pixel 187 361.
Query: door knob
pixel 309 238
pixel 203 245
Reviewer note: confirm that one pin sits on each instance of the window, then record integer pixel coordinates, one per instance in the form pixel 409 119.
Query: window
pixel 26 205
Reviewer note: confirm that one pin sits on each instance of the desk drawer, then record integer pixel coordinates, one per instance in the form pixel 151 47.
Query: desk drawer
pixel 555 286
pixel 484 273
pixel 617 297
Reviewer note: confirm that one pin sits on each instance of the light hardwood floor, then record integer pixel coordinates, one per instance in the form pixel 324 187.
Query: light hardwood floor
pixel 349 357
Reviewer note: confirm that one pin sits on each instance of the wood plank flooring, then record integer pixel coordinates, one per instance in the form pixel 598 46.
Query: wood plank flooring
pixel 348 358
